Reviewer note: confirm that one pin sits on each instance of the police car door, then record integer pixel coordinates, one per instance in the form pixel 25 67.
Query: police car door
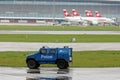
pixel 43 55
pixel 52 54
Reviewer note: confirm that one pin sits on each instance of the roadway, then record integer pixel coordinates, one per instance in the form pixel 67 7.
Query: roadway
pixel 9 73
pixel 59 32
pixel 34 46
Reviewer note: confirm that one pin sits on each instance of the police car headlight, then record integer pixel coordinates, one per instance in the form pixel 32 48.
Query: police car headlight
pixel 70 58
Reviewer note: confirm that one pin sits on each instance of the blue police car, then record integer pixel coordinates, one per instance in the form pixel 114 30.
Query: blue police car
pixel 45 55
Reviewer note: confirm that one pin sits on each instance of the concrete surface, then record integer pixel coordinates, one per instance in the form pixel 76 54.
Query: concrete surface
pixel 34 46
pixel 8 73
pixel 59 32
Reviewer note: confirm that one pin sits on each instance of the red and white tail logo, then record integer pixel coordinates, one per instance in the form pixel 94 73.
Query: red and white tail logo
pixel 75 13
pixel 88 13
pixel 98 14
pixel 66 14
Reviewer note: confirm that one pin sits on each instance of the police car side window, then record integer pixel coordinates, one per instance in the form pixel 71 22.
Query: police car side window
pixel 43 51
pixel 52 51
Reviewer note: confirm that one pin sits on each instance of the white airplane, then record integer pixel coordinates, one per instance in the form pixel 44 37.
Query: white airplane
pixel 105 19
pixel 70 18
pixel 91 19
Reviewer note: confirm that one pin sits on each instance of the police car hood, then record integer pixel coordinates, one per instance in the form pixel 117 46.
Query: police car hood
pixel 32 55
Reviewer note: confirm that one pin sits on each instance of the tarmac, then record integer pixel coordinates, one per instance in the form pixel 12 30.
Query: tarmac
pixel 35 46
pixel 9 73
pixel 60 32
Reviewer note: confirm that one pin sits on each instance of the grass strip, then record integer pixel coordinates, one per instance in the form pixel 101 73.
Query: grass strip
pixel 57 38
pixel 59 28
pixel 80 59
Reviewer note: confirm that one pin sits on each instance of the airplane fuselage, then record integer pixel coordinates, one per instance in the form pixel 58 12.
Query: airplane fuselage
pixel 97 20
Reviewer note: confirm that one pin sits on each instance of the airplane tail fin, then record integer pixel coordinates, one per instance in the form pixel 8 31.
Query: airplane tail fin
pixel 75 13
pixel 66 13
pixel 98 14
pixel 88 13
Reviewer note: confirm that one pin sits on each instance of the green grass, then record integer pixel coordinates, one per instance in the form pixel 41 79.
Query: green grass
pixel 80 59
pixel 60 28
pixel 96 59
pixel 57 38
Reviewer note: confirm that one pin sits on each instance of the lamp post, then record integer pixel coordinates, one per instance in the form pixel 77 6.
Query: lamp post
pixel 53 12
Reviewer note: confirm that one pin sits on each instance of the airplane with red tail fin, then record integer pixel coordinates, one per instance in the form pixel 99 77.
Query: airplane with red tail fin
pixel 70 18
pixel 91 19
pixel 98 14
pixel 89 13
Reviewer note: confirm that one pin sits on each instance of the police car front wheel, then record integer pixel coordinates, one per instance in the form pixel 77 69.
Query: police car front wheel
pixel 32 64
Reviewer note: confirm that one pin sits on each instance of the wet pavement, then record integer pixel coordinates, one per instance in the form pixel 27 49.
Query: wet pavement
pixel 9 73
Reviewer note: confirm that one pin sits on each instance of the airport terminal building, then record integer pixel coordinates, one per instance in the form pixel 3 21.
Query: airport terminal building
pixel 35 11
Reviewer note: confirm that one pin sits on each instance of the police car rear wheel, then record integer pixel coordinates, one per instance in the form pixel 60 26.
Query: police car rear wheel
pixel 32 64
pixel 67 65
pixel 61 64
